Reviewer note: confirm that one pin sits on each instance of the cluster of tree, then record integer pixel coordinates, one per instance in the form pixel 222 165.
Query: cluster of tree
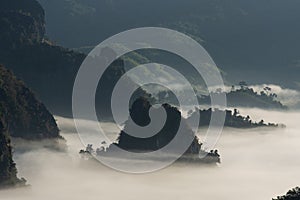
pixel 232 119
pixel 249 98
pixel 293 194
pixel 266 92
pixel 244 96
pixel 139 113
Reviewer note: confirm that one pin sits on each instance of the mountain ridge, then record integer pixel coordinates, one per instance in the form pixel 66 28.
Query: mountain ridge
pixel 230 31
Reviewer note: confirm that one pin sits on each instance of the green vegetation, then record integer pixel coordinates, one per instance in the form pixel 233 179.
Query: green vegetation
pixel 229 31
pixel 293 194
pixel 139 113
pixel 21 22
pixel 49 70
pixel 22 41
pixel 244 96
pixel 24 115
pixel 232 119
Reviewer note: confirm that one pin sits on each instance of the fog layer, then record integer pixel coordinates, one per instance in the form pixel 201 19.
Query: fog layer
pixel 256 164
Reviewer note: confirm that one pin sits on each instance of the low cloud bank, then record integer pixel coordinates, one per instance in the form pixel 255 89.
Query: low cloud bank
pixel 256 164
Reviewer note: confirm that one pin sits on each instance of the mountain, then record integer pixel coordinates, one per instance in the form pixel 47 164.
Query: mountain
pixel 139 113
pixel 256 41
pixel 24 116
pixel 21 22
pixel 48 69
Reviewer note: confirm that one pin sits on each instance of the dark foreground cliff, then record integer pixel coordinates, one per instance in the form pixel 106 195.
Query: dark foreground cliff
pixel 24 116
pixel 21 116
pixel 8 170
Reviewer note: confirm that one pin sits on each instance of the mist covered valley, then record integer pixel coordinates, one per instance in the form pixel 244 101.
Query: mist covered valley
pixel 256 164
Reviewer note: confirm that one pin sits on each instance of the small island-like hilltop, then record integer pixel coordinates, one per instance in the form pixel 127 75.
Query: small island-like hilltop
pixel 139 113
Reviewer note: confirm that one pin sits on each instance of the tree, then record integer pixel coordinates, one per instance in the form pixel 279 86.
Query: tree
pixel 219 90
pixel 248 118
pixel 262 93
pixel 243 85
pixel 235 112
pixel 273 95
pixel 232 88
pixel 267 90
pixel 293 194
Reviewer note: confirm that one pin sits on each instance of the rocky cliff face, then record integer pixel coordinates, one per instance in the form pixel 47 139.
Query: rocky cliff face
pixel 22 114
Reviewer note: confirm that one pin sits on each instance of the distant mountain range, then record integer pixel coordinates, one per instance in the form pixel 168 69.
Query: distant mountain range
pixel 237 96
pixel 256 41
pixel 50 70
